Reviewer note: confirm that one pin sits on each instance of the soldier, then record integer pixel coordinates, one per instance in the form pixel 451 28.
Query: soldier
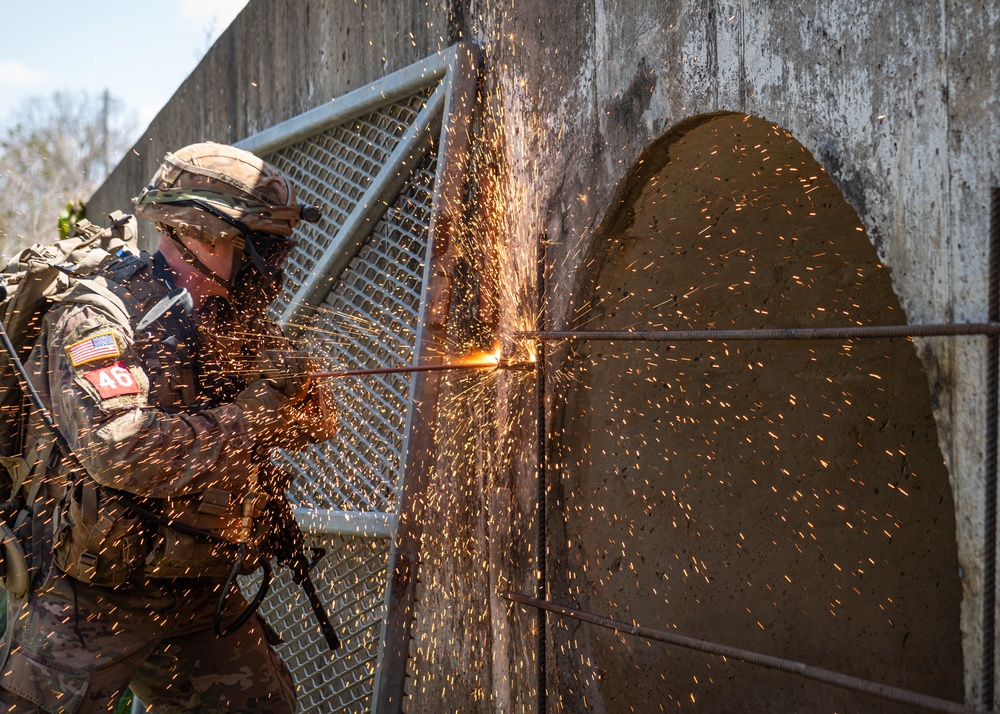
pixel 169 415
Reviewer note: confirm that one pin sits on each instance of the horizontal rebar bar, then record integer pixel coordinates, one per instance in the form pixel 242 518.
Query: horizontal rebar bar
pixel 837 679
pixel 780 333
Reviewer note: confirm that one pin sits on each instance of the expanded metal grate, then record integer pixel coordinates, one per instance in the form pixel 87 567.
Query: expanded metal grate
pixel 369 320
pixel 350 582
pixel 353 294
pixel 333 170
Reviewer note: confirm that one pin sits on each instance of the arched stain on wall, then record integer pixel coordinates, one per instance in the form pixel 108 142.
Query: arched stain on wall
pixel 784 497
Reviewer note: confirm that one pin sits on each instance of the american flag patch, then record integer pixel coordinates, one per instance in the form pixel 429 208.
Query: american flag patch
pixel 100 346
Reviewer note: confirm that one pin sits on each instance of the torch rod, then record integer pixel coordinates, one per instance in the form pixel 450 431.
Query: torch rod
pixel 405 370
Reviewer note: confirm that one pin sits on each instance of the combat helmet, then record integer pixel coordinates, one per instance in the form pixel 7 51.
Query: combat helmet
pixel 210 191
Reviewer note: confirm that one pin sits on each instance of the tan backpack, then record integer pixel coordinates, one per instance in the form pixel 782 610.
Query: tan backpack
pixel 30 283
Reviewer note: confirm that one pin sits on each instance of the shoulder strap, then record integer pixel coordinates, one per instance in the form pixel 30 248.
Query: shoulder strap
pixel 91 292
pixel 108 290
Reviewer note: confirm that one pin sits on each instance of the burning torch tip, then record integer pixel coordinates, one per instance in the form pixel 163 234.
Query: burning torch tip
pixel 512 365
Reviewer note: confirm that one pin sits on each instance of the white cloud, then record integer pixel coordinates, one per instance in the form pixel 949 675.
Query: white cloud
pixel 14 73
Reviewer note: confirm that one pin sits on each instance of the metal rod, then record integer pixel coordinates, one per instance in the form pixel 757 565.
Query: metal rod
pixel 990 495
pixel 784 333
pixel 837 679
pixel 403 370
pixel 542 449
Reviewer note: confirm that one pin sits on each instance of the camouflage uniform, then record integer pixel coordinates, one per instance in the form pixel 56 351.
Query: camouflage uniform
pixel 141 412
pixel 156 634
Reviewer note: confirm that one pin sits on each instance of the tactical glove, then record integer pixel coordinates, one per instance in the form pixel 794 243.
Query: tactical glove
pixel 287 371
pixel 268 407
pixel 289 422
pixel 317 416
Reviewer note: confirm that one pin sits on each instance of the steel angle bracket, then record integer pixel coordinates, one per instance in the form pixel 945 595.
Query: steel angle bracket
pixel 363 524
pixel 458 96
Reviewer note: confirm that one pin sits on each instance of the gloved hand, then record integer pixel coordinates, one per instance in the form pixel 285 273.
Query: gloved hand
pixel 316 417
pixel 289 421
pixel 268 408
pixel 287 371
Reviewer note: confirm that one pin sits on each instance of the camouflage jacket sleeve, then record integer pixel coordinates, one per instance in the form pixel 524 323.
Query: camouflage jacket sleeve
pixel 85 364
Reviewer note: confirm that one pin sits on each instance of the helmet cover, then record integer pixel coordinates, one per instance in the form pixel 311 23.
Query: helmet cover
pixel 231 181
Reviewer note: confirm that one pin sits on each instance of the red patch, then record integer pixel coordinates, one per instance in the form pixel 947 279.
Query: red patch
pixel 114 380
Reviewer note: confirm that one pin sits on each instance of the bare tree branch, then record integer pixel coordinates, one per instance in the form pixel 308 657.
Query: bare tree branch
pixel 57 150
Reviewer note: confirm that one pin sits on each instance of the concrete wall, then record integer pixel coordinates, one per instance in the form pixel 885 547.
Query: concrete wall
pixel 277 60
pixel 780 496
pixel 897 101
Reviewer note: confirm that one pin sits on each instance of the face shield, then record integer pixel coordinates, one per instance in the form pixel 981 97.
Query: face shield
pixel 259 276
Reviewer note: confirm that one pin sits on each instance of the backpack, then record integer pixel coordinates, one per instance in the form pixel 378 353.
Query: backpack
pixel 33 280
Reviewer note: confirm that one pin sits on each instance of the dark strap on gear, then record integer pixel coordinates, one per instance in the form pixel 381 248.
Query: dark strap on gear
pixel 38 455
pixel 37 537
pixel 265 585
pixel 33 508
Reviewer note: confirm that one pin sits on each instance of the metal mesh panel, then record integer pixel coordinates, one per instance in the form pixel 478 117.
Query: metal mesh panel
pixel 351 582
pixel 333 170
pixel 368 319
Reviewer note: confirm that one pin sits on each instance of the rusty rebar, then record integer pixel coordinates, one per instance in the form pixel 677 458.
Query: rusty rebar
pixel 541 504
pixel 781 333
pixel 837 679
pixel 990 495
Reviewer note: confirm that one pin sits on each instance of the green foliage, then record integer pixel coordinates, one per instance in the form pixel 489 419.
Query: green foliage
pixel 55 151
pixel 124 705
pixel 74 212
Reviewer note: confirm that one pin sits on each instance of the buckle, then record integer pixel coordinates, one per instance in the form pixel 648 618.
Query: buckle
pixel 86 566
pixel 214 501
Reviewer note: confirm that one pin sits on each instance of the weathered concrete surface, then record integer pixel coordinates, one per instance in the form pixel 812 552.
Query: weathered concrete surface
pixel 890 99
pixel 782 497
pixel 277 60
pixel 896 100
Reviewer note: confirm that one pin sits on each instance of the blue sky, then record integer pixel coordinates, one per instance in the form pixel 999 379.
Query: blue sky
pixel 139 51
